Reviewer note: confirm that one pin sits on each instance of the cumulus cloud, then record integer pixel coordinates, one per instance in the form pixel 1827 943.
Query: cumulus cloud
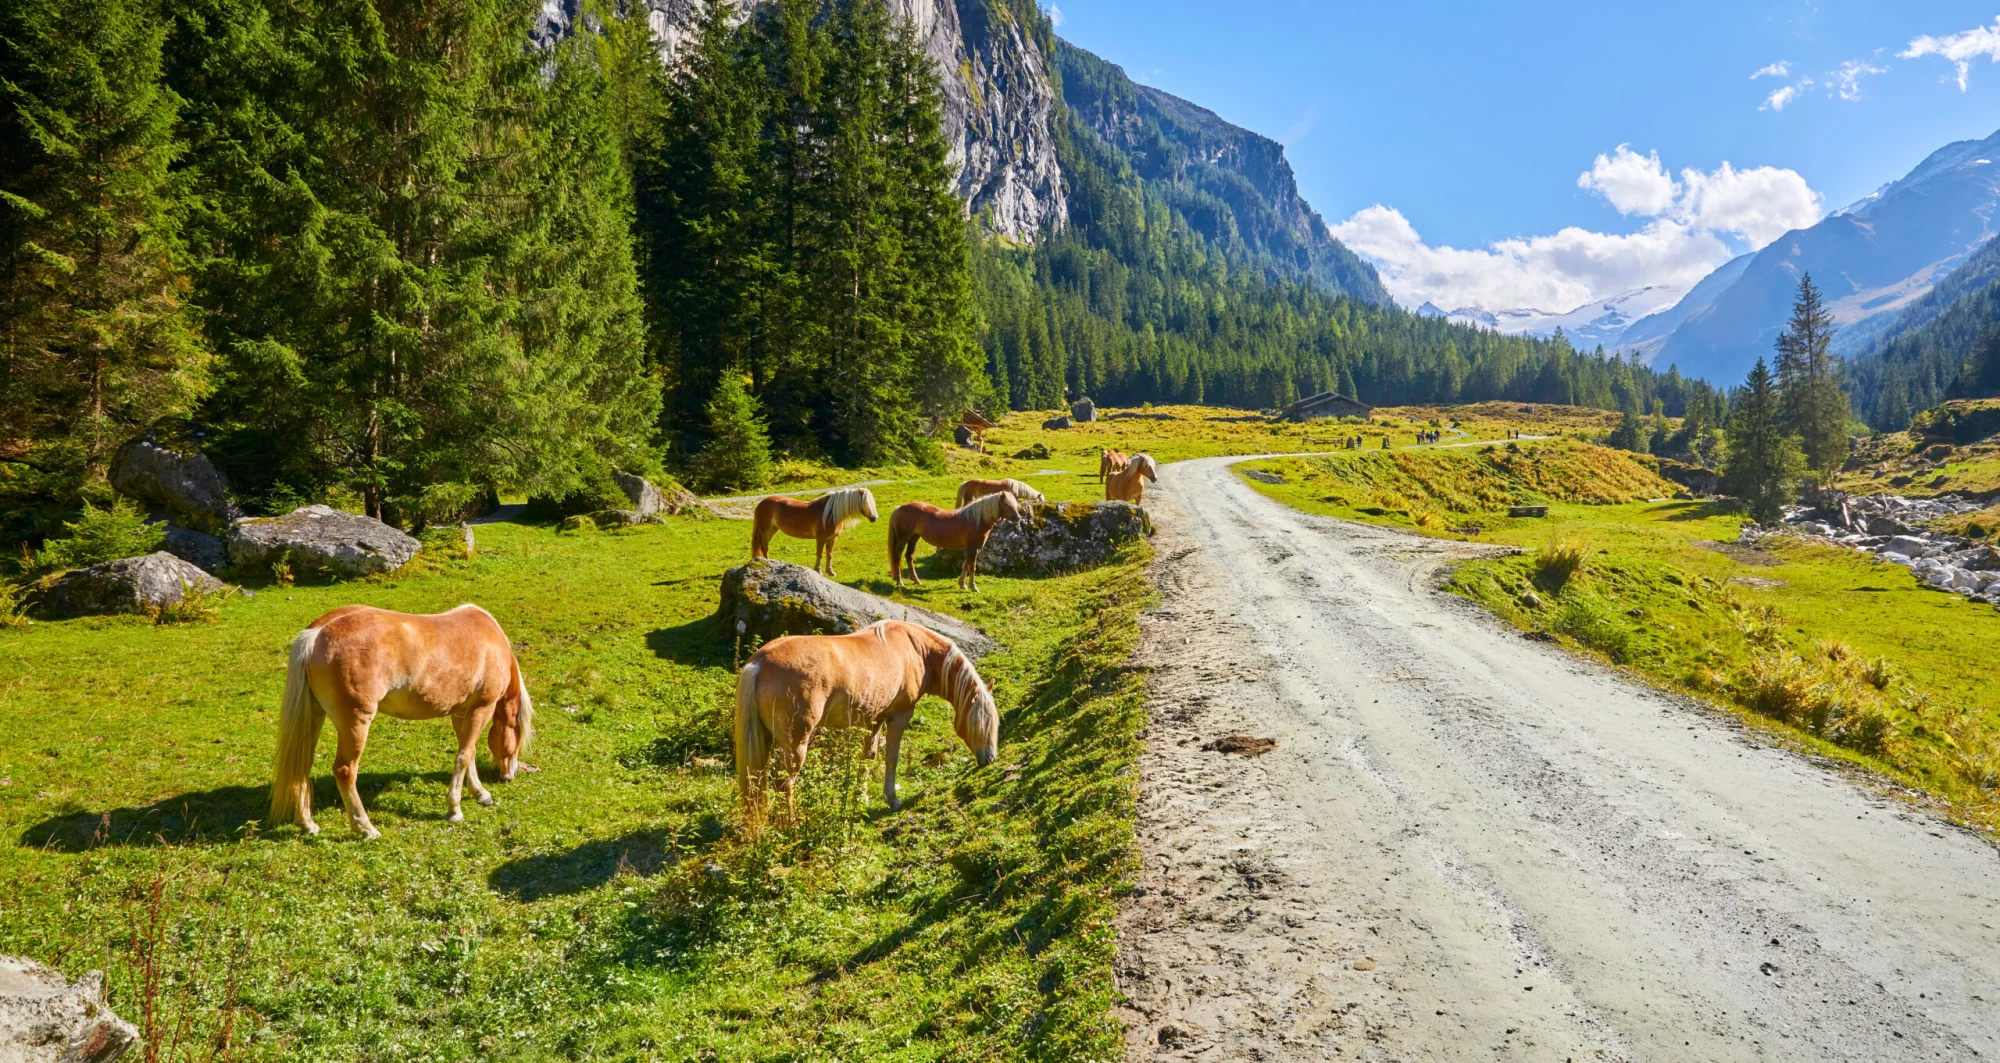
pixel 1777 100
pixel 1959 49
pixel 1779 69
pixel 1683 240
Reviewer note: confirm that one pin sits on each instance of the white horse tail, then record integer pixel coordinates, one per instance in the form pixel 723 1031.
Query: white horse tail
pixel 299 720
pixel 524 722
pixel 753 742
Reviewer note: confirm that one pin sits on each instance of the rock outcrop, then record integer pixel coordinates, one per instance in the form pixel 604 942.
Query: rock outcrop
pixel 999 101
pixel 1897 530
pixel 321 540
pixel 128 585
pixel 187 486
pixel 1052 538
pixel 200 549
pixel 768 599
pixel 1058 423
pixel 647 501
pixel 1083 410
pixel 45 1018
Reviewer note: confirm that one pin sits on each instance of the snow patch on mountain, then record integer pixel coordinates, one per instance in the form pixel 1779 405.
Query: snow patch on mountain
pixel 1599 321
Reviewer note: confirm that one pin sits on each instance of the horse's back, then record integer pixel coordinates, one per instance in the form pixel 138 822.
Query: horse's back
pixel 871 663
pixel 441 657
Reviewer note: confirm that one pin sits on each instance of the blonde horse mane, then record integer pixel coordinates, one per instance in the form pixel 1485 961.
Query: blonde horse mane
pixel 845 508
pixel 986 508
pixel 971 701
pixel 1023 492
pixel 1145 462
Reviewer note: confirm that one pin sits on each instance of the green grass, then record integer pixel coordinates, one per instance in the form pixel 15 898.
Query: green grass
pixel 1747 631
pixel 610 906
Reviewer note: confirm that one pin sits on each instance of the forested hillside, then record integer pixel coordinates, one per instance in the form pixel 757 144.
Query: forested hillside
pixel 1940 348
pixel 397 257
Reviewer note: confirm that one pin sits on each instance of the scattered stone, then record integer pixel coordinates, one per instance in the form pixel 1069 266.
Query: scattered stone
pixel 1364 965
pixel 768 599
pixel 45 1018
pixel 647 501
pixel 1056 423
pixel 1038 452
pixel 203 551
pixel 1244 745
pixel 128 585
pixel 1531 600
pixel 1054 538
pixel 1264 477
pixel 1538 636
pixel 187 486
pixel 1171 1035
pixel 1083 410
pixel 322 540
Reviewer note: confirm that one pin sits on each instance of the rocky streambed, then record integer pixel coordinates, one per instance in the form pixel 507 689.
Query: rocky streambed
pixel 1902 531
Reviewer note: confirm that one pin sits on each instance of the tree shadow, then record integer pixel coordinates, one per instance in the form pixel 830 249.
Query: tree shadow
pixel 1714 507
pixel 586 867
pixel 206 817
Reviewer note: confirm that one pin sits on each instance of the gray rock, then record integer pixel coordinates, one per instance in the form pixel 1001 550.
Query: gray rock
pixel 768 599
pixel 320 539
pixel 128 585
pixel 45 1018
pixel 1909 546
pixel 1264 477
pixel 1062 421
pixel 961 435
pixel 1083 410
pixel 203 551
pixel 187 486
pixel 646 499
pixel 1053 538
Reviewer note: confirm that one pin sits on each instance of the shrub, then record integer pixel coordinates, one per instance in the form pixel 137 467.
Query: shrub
pixel 1588 621
pixel 101 535
pixel 1878 674
pixel 596 492
pixel 1559 561
pixel 11 607
pixel 195 606
pixel 1777 684
pixel 738 454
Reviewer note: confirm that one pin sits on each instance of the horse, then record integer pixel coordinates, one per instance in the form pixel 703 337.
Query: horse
pixel 800 684
pixel 964 529
pixel 1127 484
pixel 1109 462
pixel 821 520
pixel 359 660
pixel 972 489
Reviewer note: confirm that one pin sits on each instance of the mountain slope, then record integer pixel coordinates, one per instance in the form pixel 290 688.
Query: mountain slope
pixel 1648 334
pixel 1232 185
pixel 1871 261
pixel 1915 364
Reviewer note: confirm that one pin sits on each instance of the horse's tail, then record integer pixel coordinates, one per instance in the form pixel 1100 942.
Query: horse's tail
pixel 753 742
pixel 299 720
pixel 762 523
pixel 964 495
pixel 524 720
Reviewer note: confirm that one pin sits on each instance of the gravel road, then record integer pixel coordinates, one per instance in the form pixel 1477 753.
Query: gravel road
pixel 1467 845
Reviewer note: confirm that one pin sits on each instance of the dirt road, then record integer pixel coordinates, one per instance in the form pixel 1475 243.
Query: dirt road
pixel 1467 845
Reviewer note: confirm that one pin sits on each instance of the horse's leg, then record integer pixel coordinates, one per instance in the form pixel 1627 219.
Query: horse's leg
pixel 465 765
pixel 969 576
pixel 825 546
pixel 910 559
pixel 352 736
pixel 874 743
pixel 896 723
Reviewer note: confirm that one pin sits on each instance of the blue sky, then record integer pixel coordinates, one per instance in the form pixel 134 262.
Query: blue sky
pixel 1472 123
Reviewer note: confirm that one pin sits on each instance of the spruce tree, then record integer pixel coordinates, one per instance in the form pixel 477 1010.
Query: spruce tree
pixel 1763 463
pixel 97 339
pixel 1812 405
pixel 738 452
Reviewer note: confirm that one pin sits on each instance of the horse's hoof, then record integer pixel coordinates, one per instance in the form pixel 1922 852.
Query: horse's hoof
pixel 370 834
pixel 509 777
pixel 486 800
pixel 312 829
pixel 455 817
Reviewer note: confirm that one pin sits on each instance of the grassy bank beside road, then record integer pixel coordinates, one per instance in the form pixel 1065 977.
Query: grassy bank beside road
pixel 1834 651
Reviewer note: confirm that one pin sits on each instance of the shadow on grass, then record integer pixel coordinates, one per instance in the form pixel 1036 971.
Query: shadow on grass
pixel 698 643
pixel 210 817
pixel 586 867
pixel 1714 507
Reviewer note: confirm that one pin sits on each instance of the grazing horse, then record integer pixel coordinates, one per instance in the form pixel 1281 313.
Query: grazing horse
pixel 821 520
pixel 800 684
pixel 964 529
pixel 359 660
pixel 972 489
pixel 1109 462
pixel 1126 485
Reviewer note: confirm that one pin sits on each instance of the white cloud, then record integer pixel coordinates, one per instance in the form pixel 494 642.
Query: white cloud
pixel 1055 16
pixel 1846 82
pixel 1777 100
pixel 1680 244
pixel 1634 183
pixel 1779 69
pixel 1960 49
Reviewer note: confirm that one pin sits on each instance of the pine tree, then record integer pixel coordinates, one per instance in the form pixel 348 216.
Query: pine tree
pixel 97 339
pixel 738 453
pixel 1630 433
pixel 1811 404
pixel 1763 464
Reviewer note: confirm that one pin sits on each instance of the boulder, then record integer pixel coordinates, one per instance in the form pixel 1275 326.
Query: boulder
pixel 1052 538
pixel 1083 410
pixel 187 486
pixel 1908 546
pixel 646 499
pixel 1055 423
pixel 203 551
pixel 1038 452
pixel 128 585
pixel 768 599
pixel 320 539
pixel 961 435
pixel 45 1018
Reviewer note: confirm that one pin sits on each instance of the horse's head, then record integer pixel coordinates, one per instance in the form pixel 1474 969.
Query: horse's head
pixel 1146 467
pixel 513 728
pixel 974 715
pixel 1024 493
pixel 868 504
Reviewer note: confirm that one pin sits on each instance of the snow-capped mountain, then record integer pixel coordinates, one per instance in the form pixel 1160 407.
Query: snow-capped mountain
pixel 1600 321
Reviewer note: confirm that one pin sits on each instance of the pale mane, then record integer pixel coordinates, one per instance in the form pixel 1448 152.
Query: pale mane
pixel 986 507
pixel 847 507
pixel 1023 491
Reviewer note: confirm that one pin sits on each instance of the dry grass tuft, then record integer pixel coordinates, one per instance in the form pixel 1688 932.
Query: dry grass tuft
pixel 1560 561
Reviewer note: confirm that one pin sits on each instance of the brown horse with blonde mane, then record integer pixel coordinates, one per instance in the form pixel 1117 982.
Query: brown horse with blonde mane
pixel 821 520
pixel 972 489
pixel 799 685
pixel 357 661
pixel 1109 462
pixel 1128 483
pixel 964 528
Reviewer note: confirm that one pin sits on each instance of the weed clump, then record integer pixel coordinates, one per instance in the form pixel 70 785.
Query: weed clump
pixel 1588 620
pixel 1559 561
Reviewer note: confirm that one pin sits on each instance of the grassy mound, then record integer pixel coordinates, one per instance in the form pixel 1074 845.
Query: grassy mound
pixel 1953 448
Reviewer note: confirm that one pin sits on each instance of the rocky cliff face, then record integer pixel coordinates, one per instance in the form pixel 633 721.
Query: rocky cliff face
pixel 999 103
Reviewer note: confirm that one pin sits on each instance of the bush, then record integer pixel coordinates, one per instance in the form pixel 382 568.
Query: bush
pixel 738 454
pixel 1588 621
pixel 1559 561
pixel 101 535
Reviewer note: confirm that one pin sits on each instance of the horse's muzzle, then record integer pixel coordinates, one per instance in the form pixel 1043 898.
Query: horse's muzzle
pixel 985 757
